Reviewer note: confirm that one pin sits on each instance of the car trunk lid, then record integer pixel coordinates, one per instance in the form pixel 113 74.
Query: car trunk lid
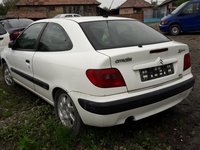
pixel 149 65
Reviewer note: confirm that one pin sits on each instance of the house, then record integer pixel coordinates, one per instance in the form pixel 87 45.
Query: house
pixel 138 9
pixel 167 7
pixel 39 9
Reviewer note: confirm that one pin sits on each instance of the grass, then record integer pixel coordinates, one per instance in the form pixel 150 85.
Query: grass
pixel 28 122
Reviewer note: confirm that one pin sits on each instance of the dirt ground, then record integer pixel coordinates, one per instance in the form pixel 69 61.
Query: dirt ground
pixel 190 108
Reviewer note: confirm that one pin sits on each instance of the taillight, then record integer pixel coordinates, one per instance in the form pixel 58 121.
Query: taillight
pixel 14 35
pixel 105 78
pixel 187 61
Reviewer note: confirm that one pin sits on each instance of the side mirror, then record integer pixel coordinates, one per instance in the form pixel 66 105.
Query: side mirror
pixel 12 45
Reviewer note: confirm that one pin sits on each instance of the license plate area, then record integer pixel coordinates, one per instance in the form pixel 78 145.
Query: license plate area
pixel 156 72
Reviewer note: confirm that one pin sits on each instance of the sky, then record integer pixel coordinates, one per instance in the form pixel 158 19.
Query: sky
pixel 117 3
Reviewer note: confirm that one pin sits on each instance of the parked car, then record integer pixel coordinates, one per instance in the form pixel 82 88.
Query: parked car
pixel 67 15
pixel 4 39
pixel 15 26
pixel 99 71
pixel 184 18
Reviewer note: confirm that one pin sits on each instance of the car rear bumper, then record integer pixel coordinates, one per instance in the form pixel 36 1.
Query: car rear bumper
pixel 116 109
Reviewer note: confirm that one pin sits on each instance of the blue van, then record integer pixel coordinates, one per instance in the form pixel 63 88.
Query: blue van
pixel 185 18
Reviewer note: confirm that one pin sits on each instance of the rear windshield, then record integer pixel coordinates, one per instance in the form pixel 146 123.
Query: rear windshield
pixel 120 33
pixel 16 23
pixel 2 30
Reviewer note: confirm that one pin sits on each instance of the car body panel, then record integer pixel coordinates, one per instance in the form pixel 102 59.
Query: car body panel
pixel 4 39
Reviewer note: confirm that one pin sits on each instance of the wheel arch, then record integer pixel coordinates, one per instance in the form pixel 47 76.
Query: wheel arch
pixel 3 61
pixel 54 92
pixel 175 23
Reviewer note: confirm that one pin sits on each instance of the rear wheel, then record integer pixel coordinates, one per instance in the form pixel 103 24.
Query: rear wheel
pixel 7 76
pixel 174 29
pixel 67 112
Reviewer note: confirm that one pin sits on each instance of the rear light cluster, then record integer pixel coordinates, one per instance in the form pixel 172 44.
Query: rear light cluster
pixel 105 78
pixel 14 35
pixel 187 61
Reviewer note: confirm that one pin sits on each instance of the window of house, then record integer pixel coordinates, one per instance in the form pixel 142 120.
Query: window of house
pixel 29 37
pixel 54 38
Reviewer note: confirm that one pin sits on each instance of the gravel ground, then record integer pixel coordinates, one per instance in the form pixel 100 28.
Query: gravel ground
pixel 190 108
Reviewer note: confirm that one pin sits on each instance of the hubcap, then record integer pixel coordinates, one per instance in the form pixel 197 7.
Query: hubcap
pixel 175 30
pixel 7 77
pixel 66 110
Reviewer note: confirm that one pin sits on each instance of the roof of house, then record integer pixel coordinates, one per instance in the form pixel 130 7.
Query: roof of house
pixel 166 2
pixel 26 14
pixel 56 2
pixel 136 3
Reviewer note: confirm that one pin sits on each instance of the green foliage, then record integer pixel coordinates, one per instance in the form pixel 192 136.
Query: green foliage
pixel 6 6
pixel 26 143
pixel 179 2
pixel 6 114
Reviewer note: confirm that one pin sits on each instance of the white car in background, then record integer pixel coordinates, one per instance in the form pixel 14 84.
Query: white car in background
pixel 67 15
pixel 4 39
pixel 99 71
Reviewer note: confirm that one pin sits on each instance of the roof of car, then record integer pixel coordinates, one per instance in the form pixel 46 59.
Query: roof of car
pixel 86 19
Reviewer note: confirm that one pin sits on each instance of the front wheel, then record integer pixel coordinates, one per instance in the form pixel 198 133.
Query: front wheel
pixel 67 112
pixel 8 79
pixel 175 29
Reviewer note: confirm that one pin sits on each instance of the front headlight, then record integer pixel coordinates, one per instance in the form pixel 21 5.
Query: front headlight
pixel 164 22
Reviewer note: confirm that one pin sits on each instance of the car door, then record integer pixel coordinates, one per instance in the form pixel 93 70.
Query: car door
pixel 189 17
pixel 4 38
pixel 53 45
pixel 20 57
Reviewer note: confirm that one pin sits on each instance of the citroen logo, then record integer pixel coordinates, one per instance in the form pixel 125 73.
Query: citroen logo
pixel 161 62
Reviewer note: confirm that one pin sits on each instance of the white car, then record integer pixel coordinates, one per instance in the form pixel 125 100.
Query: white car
pixel 99 71
pixel 4 39
pixel 67 15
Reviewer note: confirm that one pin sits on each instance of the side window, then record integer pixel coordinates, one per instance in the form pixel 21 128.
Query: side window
pixel 191 9
pixel 2 30
pixel 27 40
pixel 54 38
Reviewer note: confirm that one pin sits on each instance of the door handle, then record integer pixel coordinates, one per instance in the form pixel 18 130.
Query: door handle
pixel 1 38
pixel 28 61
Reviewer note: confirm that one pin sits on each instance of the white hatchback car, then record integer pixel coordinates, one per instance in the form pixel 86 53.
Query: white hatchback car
pixel 4 39
pixel 99 71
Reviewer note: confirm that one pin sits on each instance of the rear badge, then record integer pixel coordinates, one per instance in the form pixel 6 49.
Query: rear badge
pixel 128 59
pixel 161 62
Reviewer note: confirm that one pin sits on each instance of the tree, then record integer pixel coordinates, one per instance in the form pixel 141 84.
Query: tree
pixel 179 2
pixel 6 5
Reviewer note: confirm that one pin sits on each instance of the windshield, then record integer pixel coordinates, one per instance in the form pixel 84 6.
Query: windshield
pixel 120 33
pixel 179 8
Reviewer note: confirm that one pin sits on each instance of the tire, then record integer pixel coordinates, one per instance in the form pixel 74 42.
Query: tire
pixel 67 112
pixel 8 79
pixel 174 30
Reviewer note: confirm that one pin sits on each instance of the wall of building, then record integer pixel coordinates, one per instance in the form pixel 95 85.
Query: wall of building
pixel 125 11
pixel 138 16
pixel 148 13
